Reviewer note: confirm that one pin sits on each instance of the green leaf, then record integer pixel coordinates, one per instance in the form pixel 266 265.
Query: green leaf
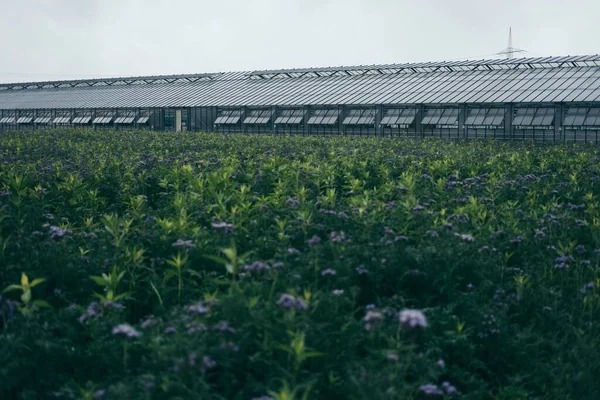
pixel 230 268
pixel 42 303
pixel 217 259
pixel 24 280
pixel 194 273
pixel 37 281
pixel 11 288
pixel 157 293
pixel 99 280
pixel 170 274
pixel 26 296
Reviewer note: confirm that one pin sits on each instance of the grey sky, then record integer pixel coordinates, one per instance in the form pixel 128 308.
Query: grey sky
pixel 64 39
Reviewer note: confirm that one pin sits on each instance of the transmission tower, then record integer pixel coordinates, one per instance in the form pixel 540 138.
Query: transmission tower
pixel 510 51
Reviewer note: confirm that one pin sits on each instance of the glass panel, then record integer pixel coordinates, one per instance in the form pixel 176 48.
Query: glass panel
pixel 470 120
pixel 408 116
pixel 593 117
pixel 432 116
pixel 543 117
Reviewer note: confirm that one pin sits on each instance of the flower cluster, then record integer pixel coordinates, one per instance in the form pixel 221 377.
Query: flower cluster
pixel 411 319
pixel 126 330
pixel 287 301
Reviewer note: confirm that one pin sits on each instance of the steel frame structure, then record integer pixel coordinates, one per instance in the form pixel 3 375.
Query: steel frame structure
pixel 546 98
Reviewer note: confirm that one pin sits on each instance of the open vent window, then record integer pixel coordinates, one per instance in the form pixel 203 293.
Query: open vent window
pixel 360 117
pixel 534 117
pixel 81 120
pixel 258 117
pixel 25 120
pixel 582 117
pixel 143 119
pixel 485 117
pixel 103 119
pixel 61 120
pixel 228 117
pixel 290 117
pixel 8 120
pixel 440 116
pixel 324 117
pixel 125 120
pixel 43 118
pixel 398 116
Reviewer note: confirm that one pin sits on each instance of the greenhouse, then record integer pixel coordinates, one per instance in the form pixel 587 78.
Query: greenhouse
pixel 552 98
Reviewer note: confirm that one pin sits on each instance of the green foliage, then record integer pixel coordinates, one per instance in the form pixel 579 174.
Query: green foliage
pixel 206 266
pixel 27 304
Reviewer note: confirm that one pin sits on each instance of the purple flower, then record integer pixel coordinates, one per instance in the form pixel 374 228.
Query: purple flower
pixel 195 327
pixel 517 240
pixel 223 326
pixel 57 232
pixel 361 270
pixel 431 390
pixel 229 346
pixel 96 309
pixel 562 262
pixel 99 394
pixel 126 330
pixel 313 241
pixel 198 308
pixel 336 237
pixel 370 306
pixel 588 287
pixel 465 237
pixel 448 388
pixel 148 322
pixel 293 251
pixel 540 235
pixel 257 266
pixel 392 357
pixel 208 363
pixel 338 292
pixel 278 265
pixel 7 309
pixel 412 319
pixel 183 244
pixel 440 363
pixel 372 319
pixel 224 226
pixel 328 272
pixel 170 330
pixel 288 301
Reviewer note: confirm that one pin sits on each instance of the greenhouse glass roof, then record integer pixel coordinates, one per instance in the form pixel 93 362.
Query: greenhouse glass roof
pixel 526 80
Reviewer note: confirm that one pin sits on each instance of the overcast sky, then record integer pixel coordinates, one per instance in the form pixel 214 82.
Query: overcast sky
pixel 64 39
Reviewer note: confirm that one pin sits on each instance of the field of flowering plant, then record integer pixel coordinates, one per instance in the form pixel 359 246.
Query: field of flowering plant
pixel 201 266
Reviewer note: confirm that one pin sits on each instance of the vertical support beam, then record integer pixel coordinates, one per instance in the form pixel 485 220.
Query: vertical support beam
pixel 508 120
pixel 342 115
pixel 378 118
pixel 305 126
pixel 558 122
pixel 418 119
pixel 178 120
pixel 462 116
pixel 244 126
pixel 274 114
